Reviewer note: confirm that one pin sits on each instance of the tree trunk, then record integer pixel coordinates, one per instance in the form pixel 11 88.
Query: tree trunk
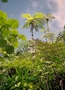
pixel 32 27
pixel 47 24
pixel 32 35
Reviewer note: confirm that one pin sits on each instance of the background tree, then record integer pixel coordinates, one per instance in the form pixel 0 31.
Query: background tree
pixel 48 17
pixel 47 34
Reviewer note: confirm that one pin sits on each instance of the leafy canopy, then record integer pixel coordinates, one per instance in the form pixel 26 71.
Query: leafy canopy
pixel 9 35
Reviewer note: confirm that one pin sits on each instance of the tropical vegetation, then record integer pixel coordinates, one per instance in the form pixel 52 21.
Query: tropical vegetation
pixel 21 69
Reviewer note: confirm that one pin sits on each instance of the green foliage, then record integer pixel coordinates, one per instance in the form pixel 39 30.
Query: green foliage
pixel 3 15
pixel 21 36
pixel 26 70
pixel 34 72
pixel 3 43
pixel 9 49
pixel 9 36
pixel 13 23
pixel 14 32
pixel 23 47
pixel 39 15
pixel 4 1
pixel 26 16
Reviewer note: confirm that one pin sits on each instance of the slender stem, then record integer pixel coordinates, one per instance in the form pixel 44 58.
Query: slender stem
pixel 32 34
pixel 32 26
pixel 47 24
pixel 46 37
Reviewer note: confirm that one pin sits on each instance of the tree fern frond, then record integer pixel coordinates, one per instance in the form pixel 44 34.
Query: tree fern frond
pixel 26 25
pixel 26 16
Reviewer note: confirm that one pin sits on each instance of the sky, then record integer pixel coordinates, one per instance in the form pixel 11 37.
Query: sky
pixel 15 9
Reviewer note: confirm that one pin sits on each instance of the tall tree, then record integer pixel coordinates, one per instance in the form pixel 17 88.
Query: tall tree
pixel 48 17
pixel 34 22
pixel 48 35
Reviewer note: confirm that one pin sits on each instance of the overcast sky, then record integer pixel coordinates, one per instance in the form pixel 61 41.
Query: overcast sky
pixel 15 8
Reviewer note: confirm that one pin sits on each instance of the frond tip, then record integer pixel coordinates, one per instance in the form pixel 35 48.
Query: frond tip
pixel 26 16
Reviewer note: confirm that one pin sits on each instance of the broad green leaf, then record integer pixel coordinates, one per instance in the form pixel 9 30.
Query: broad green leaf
pixel 15 44
pixel 9 49
pixel 13 23
pixel 3 43
pixel 14 32
pixel 21 36
pixel 3 15
pixel 12 39
pixel 4 1
pixel 1 22
pixel 5 33
pixel 26 16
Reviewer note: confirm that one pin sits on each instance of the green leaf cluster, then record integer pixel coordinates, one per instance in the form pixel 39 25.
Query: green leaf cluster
pixel 9 35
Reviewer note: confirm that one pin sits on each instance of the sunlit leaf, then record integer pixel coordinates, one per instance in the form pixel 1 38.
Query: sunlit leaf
pixel 5 33
pixel 3 14
pixel 21 36
pixel 14 32
pixel 15 44
pixel 30 85
pixel 26 16
pixel 39 15
pixel 13 23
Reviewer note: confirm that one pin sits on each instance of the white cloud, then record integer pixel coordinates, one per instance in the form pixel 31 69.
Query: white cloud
pixel 32 8
pixel 60 13
pixel 34 4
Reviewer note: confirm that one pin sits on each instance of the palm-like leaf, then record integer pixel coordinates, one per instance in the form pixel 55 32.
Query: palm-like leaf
pixel 34 22
pixel 26 25
pixel 49 17
pixel 49 36
pixel 38 15
pixel 26 16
